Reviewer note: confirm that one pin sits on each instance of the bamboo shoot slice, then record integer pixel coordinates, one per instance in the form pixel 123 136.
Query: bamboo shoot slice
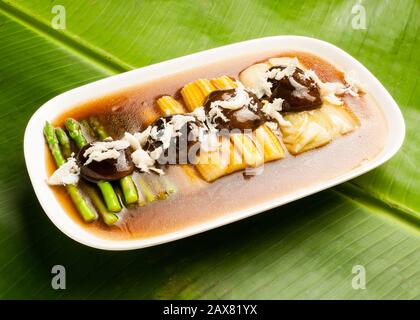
pixel 268 143
pixel 212 165
pixel 195 93
pixel 224 82
pixel 192 95
pixel 247 149
pixel 168 105
pixel 223 161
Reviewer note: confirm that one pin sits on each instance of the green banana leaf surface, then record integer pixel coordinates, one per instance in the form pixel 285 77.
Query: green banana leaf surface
pixel 307 249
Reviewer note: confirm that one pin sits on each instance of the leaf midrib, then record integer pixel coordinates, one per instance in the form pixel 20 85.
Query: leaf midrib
pixel 111 64
pixel 96 56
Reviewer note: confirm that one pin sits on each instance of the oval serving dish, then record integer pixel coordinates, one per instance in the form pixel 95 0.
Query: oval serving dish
pixel 34 140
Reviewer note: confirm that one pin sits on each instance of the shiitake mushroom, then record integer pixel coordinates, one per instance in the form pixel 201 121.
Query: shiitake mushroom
pixel 177 153
pixel 106 170
pixel 283 88
pixel 242 118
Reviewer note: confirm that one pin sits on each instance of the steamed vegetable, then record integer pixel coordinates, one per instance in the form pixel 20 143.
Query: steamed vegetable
pixel 88 129
pixel 80 203
pixel 75 132
pixel 169 105
pixel 312 129
pixel 98 128
pixel 168 185
pixel 108 193
pixel 195 93
pixel 220 162
pixel 52 141
pixel 268 144
pixel 223 82
pixel 64 141
pixel 129 190
pixel 111 198
pixel 108 217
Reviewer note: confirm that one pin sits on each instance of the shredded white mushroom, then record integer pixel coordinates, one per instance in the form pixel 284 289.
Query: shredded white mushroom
pixel 103 150
pixel 67 174
pixel 272 110
pixel 330 91
pixel 142 160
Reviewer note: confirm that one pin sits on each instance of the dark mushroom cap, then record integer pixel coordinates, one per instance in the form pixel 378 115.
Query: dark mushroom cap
pixel 177 153
pixel 243 118
pixel 106 170
pixel 284 89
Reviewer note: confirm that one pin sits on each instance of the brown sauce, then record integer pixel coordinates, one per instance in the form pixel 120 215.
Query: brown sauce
pixel 197 201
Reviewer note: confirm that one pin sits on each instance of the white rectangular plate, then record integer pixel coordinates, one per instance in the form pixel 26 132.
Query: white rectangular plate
pixel 34 140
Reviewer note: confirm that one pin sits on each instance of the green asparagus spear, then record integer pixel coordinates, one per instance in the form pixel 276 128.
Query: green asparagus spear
pixel 75 132
pixel 108 217
pixel 129 190
pixel 108 193
pixel 80 203
pixel 88 129
pixel 82 206
pixel 111 198
pixel 64 141
pixel 127 185
pixel 98 128
pixel 53 144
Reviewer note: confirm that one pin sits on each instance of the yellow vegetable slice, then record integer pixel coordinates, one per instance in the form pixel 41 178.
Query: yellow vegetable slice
pixel 192 95
pixel 248 151
pixel 214 164
pixel 195 93
pixel 224 82
pixel 268 143
pixel 168 105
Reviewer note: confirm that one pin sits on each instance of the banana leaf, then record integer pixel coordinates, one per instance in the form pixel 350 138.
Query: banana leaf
pixel 306 249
